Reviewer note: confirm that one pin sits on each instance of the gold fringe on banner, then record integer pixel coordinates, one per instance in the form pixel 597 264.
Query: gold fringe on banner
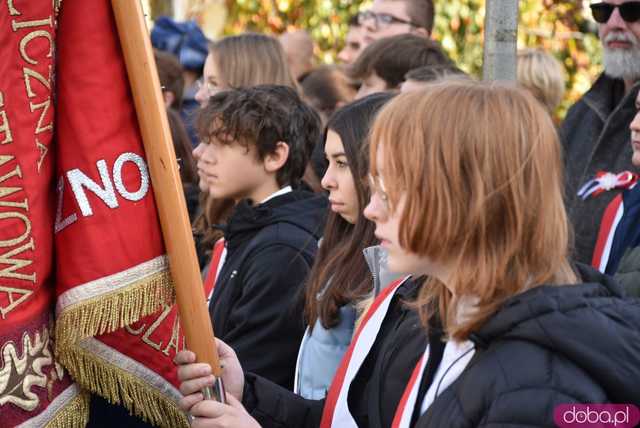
pixel 74 414
pixel 119 386
pixel 109 312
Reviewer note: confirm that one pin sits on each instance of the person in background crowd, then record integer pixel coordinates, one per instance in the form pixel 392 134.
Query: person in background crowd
pixel 341 277
pixel 255 145
pixel 171 79
pixel 188 175
pixel 617 250
pixel 595 131
pixel 542 74
pixel 187 42
pixel 386 18
pixel 186 163
pixel 240 61
pixel 298 47
pixel 325 89
pixel 382 66
pixel 243 61
pixel 353 42
pixel 500 286
pixel 421 76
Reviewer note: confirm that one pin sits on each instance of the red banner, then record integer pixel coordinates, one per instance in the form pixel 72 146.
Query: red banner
pixel 117 333
pixel 34 389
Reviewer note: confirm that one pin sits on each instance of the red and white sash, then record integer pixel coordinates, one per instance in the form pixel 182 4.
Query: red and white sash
pixel 217 261
pixel 402 418
pixel 608 225
pixel 336 410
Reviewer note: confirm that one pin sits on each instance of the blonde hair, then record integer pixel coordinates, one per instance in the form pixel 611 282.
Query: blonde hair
pixel 483 193
pixel 251 59
pixel 543 75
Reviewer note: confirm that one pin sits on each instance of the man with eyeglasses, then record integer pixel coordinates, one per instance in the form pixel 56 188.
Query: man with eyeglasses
pixel 595 132
pixel 388 18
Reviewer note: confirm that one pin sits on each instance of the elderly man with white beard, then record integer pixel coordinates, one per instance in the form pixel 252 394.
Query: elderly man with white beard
pixel 595 133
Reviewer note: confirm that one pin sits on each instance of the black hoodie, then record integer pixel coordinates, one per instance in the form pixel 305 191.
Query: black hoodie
pixel 548 346
pixel 255 307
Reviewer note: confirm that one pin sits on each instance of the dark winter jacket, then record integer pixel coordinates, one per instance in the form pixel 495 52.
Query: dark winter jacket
pixel 377 388
pixel 595 137
pixel 628 273
pixel 548 346
pixel 255 306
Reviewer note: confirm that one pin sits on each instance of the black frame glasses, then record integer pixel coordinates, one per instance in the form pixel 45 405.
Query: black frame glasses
pixel 382 20
pixel 629 11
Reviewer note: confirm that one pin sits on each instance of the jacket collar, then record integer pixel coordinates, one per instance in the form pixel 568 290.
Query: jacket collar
pixel 605 94
pixel 376 258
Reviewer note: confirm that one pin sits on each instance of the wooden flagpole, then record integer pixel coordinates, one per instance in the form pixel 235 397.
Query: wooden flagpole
pixel 169 196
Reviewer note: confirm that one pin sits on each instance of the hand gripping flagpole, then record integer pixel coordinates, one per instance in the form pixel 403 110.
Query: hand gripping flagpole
pixel 169 196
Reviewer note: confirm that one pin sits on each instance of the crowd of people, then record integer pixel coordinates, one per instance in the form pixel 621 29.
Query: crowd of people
pixel 391 242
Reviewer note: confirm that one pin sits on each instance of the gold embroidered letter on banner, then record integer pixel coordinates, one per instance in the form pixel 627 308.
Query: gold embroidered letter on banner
pixel 15 264
pixel 27 228
pixel 28 38
pixel 154 326
pixel 10 204
pixel 28 74
pixel 16 172
pixel 6 191
pixel 135 332
pixel 13 302
pixel 12 10
pixel 30 24
pixel 6 158
pixel 46 103
pixel 4 123
pixel 175 337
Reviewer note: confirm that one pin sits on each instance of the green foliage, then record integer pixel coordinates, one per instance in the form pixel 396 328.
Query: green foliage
pixel 326 20
pixel 562 27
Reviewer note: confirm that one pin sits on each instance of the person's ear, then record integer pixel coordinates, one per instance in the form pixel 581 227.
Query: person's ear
pixel 169 98
pixel 276 159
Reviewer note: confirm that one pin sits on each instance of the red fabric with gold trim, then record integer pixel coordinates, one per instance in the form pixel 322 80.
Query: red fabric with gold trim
pixel 34 388
pixel 117 332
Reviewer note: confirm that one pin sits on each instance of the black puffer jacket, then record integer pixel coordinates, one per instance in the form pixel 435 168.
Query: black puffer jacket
pixel 548 346
pixel 255 307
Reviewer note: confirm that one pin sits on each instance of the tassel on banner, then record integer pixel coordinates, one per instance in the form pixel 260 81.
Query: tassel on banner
pixel 118 386
pixel 74 415
pixel 108 313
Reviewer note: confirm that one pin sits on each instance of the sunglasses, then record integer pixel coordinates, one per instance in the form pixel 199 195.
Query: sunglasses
pixel 629 11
